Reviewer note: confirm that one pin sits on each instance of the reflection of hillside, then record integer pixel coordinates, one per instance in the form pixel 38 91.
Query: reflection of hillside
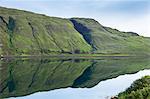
pixel 23 77
pixel 107 69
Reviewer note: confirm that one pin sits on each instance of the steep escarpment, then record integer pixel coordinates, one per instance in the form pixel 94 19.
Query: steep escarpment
pixel 27 33
pixel 107 40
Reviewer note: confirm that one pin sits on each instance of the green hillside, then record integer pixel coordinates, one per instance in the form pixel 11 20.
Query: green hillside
pixel 27 33
pixel 108 40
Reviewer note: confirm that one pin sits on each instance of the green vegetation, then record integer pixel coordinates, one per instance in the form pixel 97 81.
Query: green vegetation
pixel 27 33
pixel 140 89
pixel 33 34
pixel 108 40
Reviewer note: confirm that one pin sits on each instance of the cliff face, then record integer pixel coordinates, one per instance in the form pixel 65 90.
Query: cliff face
pixel 27 33
pixel 107 40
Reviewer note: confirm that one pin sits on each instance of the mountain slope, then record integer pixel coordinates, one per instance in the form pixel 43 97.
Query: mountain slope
pixel 27 33
pixel 108 40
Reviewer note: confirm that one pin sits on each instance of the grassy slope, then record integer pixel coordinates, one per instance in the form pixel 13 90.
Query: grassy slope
pixel 140 89
pixel 108 40
pixel 27 33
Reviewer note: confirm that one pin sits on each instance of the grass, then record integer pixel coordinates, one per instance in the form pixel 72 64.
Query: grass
pixel 44 35
pixel 108 40
pixel 140 89
pixel 27 33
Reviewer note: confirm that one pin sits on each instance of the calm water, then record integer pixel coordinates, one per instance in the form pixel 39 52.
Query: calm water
pixel 69 78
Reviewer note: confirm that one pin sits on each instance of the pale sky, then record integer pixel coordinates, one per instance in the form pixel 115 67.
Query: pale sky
pixel 125 15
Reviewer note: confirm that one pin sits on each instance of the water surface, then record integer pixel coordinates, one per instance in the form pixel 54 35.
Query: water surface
pixel 69 78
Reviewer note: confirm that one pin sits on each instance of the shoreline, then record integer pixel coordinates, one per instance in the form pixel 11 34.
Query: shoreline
pixel 73 56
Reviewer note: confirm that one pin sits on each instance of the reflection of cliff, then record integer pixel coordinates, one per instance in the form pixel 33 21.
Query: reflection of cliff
pixel 28 76
pixel 107 69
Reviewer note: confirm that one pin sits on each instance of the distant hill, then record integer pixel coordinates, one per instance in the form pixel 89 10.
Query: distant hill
pixel 28 33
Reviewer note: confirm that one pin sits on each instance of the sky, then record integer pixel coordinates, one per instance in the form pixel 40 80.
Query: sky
pixel 124 15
